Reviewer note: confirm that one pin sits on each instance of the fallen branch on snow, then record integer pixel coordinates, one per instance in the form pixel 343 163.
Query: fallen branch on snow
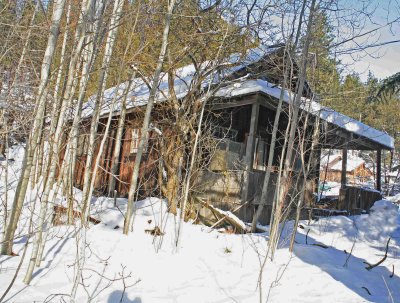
pixel 320 245
pixel 371 266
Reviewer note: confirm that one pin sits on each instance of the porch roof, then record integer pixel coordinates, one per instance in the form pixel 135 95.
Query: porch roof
pixel 364 136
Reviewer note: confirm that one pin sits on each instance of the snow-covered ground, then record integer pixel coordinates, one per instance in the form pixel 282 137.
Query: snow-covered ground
pixel 210 266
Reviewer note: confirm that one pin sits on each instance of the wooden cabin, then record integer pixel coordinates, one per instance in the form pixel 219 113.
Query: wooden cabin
pixel 356 171
pixel 244 109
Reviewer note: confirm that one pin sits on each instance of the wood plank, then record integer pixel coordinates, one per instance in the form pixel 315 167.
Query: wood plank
pixel 228 104
pixel 248 158
pixel 378 169
pixel 343 179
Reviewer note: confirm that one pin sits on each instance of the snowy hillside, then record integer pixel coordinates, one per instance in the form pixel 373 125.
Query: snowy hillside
pixel 210 266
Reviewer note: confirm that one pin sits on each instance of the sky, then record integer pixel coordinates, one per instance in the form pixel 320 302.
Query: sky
pixel 350 18
pixel 382 61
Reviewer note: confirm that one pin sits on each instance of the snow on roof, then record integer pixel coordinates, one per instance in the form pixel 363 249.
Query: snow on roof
pixel 139 93
pixel 329 158
pixel 349 124
pixel 352 164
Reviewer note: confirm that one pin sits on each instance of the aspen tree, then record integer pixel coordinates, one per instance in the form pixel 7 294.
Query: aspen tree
pixel 306 169
pixel 146 121
pixel 284 182
pixel 122 114
pixel 271 153
pixel 4 172
pixel 90 177
pixel 37 125
pixel 55 146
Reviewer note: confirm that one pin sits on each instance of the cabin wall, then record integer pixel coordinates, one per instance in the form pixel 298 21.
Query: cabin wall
pixel 223 190
pixel 102 175
pixel 356 199
pixel 148 169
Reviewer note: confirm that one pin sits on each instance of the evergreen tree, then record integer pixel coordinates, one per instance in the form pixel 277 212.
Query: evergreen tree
pixel 390 85
pixel 323 74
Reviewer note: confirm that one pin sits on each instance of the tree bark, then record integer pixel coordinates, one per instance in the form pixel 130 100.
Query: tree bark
pixel 118 139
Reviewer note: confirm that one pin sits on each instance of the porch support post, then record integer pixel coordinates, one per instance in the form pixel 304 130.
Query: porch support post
pixel 248 159
pixel 378 169
pixel 343 179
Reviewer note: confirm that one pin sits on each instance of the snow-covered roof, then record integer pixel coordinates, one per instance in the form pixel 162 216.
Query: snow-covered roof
pixel 334 160
pixel 349 124
pixel 325 158
pixel 139 93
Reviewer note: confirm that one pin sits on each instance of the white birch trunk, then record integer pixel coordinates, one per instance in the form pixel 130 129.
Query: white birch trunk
pixel 271 154
pixel 306 172
pixel 118 140
pixel 146 121
pixel 188 177
pixel 24 50
pixel 284 181
pixel 56 97
pixel 5 174
pixel 55 145
pixel 89 177
pixel 38 123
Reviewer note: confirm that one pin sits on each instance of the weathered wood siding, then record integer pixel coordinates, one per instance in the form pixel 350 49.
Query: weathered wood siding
pixel 223 190
pixel 125 163
pixel 355 199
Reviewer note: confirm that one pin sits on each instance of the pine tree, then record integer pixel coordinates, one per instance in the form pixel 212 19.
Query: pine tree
pixel 323 74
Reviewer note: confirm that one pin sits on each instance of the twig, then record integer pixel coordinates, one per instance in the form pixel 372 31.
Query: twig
pixel 49 298
pixel 16 272
pixel 349 255
pixel 307 236
pixel 367 290
pixel 321 245
pixel 392 274
pixel 371 266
